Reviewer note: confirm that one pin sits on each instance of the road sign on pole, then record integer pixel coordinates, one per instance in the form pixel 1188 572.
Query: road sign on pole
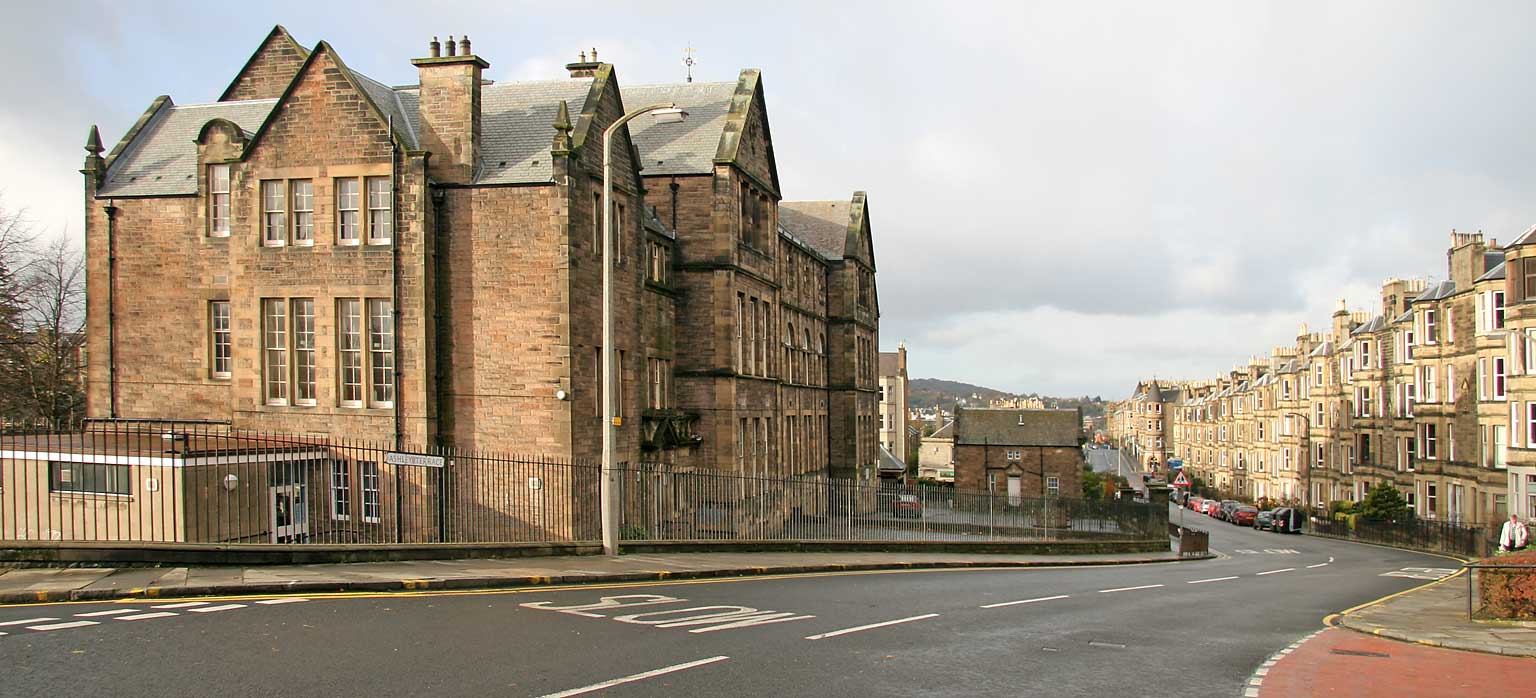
pixel 1181 480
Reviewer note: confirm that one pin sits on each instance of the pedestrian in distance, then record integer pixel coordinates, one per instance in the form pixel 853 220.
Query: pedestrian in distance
pixel 1514 536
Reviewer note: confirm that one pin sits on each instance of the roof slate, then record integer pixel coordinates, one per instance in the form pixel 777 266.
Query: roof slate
pixel 890 363
pixel 1494 274
pixel 686 148
pixel 1439 291
pixel 1001 427
pixel 517 128
pixel 821 224
pixel 162 160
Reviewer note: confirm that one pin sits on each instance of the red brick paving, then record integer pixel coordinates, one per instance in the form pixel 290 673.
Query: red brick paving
pixel 1315 669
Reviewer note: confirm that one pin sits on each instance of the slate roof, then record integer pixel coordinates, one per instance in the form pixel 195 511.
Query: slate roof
pixel 821 224
pixel 888 462
pixel 1323 349
pixel 688 147
pixel 890 363
pixel 1000 427
pixel 162 160
pixel 1375 324
pixel 1528 236
pixel 517 127
pixel 944 432
pixel 1439 291
pixel 389 102
pixel 653 222
pixel 1494 274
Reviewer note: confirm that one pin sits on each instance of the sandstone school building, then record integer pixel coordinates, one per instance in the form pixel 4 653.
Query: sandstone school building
pixel 321 253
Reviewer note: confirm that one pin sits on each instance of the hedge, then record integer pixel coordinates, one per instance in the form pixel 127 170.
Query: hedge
pixel 1508 594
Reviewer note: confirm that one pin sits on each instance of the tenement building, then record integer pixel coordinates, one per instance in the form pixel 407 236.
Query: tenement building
pixel 319 252
pixel 1432 391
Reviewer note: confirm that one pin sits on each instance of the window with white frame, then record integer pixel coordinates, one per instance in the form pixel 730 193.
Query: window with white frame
pixel 368 472
pixel 274 213
pixel 349 349
pixel 275 349
pixel 219 341
pixel 1450 383
pixel 1482 378
pixel 1052 486
pixel 303 203
pixel 381 352
pixel 349 217
pixel 1013 455
pixel 380 211
pixel 1431 326
pixel 218 201
pixel 304 351
pixel 341 491
pixel 90 478
pixel 1498 378
pixel 1431 391
pixel 1450 325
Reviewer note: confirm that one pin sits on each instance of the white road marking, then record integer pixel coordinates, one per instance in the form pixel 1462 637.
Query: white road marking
pixel 1144 586
pixel 147 616
pixel 213 609
pixel 274 602
pixel 113 612
pixel 25 621
pixel 184 604
pixel 871 626
pixel 63 626
pixel 1287 569
pixel 636 677
pixel 1320 564
pixel 1015 603
pixel 1212 579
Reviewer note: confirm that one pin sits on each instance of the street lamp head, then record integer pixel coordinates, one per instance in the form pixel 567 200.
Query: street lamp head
pixel 670 115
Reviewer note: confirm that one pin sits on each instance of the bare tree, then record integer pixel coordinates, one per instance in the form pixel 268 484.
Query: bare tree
pixel 54 321
pixel 16 240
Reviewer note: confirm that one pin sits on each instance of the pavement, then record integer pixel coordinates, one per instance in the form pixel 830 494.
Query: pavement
pixel 1436 616
pixel 1337 662
pixel 97 584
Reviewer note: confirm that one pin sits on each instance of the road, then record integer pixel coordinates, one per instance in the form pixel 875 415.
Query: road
pixel 1187 629
pixel 1110 460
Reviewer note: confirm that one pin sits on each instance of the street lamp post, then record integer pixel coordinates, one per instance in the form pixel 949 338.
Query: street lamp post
pixel 665 113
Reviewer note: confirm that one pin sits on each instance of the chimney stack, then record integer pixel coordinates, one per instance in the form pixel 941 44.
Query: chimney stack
pixel 584 68
pixel 450 109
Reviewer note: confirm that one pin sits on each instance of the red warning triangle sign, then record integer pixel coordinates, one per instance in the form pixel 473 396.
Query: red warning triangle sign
pixel 1180 480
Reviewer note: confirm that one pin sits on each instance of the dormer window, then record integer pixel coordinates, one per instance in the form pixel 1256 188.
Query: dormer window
pixel 218 201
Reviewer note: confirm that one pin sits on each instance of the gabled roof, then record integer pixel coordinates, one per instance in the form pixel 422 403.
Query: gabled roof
pixel 161 159
pixel 821 224
pixel 689 147
pixel 890 363
pixel 1526 237
pixel 653 223
pixel 1001 427
pixel 1375 324
pixel 944 432
pixel 888 462
pixel 1323 349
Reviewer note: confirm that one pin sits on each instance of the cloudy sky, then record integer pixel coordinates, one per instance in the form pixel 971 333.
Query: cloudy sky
pixel 1065 196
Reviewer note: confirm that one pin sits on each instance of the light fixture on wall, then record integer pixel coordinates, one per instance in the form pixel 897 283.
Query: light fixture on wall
pixel 231 482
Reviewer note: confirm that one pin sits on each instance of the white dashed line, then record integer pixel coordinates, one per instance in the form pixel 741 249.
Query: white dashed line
pixel 1212 579
pixel 213 609
pixel 186 604
pixel 1024 601
pixel 1320 564
pixel 1287 569
pixel 871 626
pixel 147 616
pixel 1144 586
pixel 636 677
pixel 274 602
pixel 63 626
pixel 113 612
pixel 25 621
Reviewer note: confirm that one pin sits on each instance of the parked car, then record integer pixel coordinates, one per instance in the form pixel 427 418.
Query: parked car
pixel 907 505
pixel 1194 503
pixel 1263 520
pixel 1227 507
pixel 1287 520
pixel 1210 507
pixel 1243 515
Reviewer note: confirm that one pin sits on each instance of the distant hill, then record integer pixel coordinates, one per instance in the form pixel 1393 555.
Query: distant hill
pixel 936 392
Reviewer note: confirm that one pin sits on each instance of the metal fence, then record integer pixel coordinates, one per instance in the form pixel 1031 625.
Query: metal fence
pixel 1412 534
pixel 199 482
pixel 660 503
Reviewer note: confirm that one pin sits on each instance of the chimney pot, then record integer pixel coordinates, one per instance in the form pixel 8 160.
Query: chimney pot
pixel 437 48
pixel 581 57
pixel 464 46
pixel 594 54
pixel 450 45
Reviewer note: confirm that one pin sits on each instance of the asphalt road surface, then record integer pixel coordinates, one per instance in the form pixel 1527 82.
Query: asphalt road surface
pixel 1185 629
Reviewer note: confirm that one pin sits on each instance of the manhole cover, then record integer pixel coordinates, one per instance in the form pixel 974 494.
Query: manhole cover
pixel 1360 653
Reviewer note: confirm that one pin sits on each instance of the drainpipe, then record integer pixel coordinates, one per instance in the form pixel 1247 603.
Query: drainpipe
pixel 394 279
pixel 111 210
pixel 673 187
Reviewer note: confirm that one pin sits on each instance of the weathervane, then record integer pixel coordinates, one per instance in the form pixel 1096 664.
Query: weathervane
pixel 688 61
